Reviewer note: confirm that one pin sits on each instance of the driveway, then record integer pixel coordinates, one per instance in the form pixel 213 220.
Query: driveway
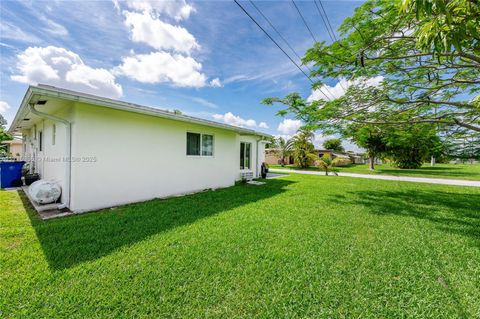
pixel 443 181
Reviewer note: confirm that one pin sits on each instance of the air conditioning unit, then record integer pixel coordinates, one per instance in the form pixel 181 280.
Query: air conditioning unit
pixel 248 175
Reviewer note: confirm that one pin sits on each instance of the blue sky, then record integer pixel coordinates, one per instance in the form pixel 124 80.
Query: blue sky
pixel 205 58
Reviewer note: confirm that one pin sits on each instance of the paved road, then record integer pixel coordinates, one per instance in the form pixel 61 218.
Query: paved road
pixel 443 181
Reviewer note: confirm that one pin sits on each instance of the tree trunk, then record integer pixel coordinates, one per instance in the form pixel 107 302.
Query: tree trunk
pixel 432 161
pixel 371 163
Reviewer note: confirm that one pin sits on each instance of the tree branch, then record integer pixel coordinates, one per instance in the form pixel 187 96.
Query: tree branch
pixel 457 104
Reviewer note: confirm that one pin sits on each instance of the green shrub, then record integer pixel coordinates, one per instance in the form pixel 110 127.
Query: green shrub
pixel 341 161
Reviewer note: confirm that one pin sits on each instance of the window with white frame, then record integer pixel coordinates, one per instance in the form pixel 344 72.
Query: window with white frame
pixel 245 155
pixel 207 145
pixel 199 144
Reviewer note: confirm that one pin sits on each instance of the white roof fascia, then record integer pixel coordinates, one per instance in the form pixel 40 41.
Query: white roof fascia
pixel 46 90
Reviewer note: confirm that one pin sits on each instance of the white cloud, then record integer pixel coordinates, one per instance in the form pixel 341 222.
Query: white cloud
pixel 7 46
pixel 286 137
pixel 178 10
pixel 4 106
pixel 172 62
pixel 289 127
pixel 271 74
pixel 216 83
pixel 334 92
pixel 54 28
pixel 319 139
pixel 160 35
pixel 10 31
pixel 163 67
pixel 234 120
pixel 116 5
pixel 204 102
pixel 60 67
pixel 263 125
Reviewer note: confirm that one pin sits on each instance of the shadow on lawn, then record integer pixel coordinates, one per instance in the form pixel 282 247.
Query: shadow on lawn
pixel 69 241
pixel 462 216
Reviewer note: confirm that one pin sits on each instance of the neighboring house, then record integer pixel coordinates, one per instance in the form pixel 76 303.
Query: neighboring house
pixel 106 153
pixel 14 148
pixel 355 158
pixel 272 156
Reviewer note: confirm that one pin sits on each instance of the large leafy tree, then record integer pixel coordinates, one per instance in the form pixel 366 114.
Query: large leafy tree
pixel 334 144
pixel 402 62
pixel 410 146
pixel 4 136
pixel 369 137
pixel 463 146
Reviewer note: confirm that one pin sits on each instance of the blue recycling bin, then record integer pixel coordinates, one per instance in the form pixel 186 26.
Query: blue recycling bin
pixel 10 173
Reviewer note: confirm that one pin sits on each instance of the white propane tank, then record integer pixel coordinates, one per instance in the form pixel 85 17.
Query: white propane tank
pixel 44 192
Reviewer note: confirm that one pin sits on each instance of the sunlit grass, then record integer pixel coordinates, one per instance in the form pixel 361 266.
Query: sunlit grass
pixel 299 246
pixel 451 171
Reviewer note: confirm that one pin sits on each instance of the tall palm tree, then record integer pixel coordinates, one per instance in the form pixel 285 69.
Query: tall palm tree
pixel 303 149
pixel 284 149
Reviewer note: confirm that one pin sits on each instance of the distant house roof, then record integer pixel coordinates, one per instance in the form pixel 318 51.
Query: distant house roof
pixel 340 154
pixel 337 154
pixel 55 92
pixel 17 142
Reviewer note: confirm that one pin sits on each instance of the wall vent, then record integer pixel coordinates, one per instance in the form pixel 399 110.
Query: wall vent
pixel 246 175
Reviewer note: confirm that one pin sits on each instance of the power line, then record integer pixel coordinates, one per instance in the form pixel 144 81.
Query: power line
pixel 273 40
pixel 330 31
pixel 278 33
pixel 328 20
pixel 304 21
pixel 313 37
pixel 323 19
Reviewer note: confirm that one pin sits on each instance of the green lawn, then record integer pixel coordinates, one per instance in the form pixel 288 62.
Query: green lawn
pixel 299 246
pixel 452 171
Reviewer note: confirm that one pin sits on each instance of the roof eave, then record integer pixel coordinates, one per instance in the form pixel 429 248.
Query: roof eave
pixel 21 110
pixel 119 105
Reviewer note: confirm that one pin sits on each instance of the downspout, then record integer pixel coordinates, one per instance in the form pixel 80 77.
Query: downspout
pixel 69 149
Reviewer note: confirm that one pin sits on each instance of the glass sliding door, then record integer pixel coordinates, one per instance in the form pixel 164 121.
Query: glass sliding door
pixel 245 155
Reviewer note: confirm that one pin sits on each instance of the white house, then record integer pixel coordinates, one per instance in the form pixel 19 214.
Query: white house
pixel 107 153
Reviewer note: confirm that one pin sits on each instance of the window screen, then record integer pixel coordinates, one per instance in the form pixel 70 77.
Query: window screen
pixel 193 144
pixel 245 155
pixel 242 155
pixel 207 145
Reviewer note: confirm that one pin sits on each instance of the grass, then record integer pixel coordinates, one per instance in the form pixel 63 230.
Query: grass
pixel 450 171
pixel 299 246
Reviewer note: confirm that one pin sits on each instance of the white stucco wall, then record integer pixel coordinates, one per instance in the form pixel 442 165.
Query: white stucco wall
pixel 123 157
pixel 51 162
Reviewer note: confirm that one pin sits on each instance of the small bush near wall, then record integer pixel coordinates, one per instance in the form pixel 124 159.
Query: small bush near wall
pixel 339 161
